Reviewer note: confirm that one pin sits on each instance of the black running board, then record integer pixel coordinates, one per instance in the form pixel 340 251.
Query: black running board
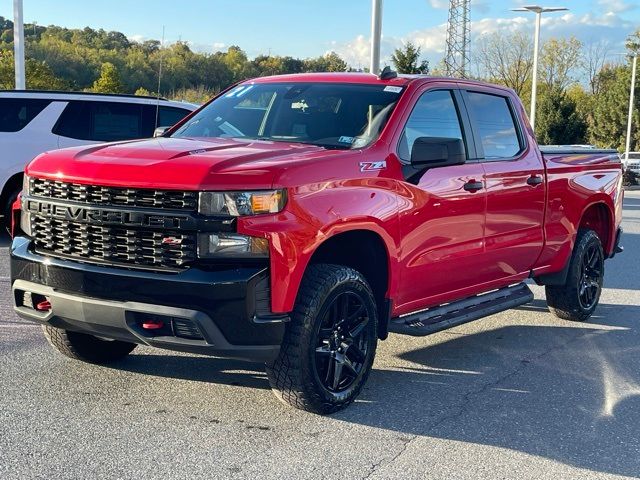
pixel 456 313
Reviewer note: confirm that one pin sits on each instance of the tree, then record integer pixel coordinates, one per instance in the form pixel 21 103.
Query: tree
pixel 109 80
pixel 506 59
pixel 38 74
pixel 596 54
pixel 609 125
pixel 557 120
pixel 331 62
pixel 559 59
pixel 407 60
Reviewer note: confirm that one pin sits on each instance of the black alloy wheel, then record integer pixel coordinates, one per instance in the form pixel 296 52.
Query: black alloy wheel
pixel 342 346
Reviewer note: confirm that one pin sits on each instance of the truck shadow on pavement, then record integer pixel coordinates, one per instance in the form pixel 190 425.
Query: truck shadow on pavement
pixel 566 393
pixel 197 369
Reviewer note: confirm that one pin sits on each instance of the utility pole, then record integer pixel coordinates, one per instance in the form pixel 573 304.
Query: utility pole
pixel 18 45
pixel 458 39
pixel 536 50
pixel 376 34
pixel 631 95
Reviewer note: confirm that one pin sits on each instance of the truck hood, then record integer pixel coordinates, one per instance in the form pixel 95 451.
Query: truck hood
pixel 177 163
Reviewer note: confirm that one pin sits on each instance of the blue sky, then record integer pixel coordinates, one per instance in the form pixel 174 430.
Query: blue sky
pixel 304 28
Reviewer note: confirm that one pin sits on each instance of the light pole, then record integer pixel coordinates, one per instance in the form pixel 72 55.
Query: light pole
pixel 633 88
pixel 18 44
pixel 536 48
pixel 376 33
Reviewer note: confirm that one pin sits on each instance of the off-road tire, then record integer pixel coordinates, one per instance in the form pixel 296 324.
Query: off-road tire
pixel 292 375
pixel 564 301
pixel 81 346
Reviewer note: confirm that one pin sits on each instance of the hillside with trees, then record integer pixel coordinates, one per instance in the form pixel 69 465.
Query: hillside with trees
pixel 582 95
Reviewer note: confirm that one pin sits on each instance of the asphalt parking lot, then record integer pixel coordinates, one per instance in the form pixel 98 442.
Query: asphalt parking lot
pixel 518 395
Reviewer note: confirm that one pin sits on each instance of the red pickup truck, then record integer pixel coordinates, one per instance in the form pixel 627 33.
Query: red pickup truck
pixel 299 219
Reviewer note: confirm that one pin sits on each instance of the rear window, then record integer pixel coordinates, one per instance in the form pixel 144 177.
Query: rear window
pixel 16 113
pixel 111 121
pixel 495 124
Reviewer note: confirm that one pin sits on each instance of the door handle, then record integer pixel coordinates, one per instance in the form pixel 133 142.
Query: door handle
pixel 534 180
pixel 473 186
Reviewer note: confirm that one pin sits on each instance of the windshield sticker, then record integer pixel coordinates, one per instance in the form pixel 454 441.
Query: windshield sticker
pixel 370 166
pixel 344 139
pixel 392 89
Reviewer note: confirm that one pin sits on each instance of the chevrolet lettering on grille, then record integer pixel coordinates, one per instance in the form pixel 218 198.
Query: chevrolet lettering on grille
pixel 101 216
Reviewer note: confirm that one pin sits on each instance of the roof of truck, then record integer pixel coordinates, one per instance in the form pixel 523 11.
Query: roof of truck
pixel 366 79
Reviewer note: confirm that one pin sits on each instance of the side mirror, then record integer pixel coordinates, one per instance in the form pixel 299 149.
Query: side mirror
pixel 437 152
pixel 160 131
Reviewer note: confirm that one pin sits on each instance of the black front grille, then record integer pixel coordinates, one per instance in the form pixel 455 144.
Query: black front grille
pixel 99 195
pixel 113 245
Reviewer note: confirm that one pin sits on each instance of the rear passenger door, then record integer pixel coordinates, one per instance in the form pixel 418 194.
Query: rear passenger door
pixel 515 186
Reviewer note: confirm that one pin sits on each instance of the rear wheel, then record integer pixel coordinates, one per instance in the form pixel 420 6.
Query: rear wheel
pixel 330 343
pixel 81 346
pixel 579 296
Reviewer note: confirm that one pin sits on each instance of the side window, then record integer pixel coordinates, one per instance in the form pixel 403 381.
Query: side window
pixel 101 121
pixel 434 115
pixel 495 125
pixel 169 116
pixel 16 113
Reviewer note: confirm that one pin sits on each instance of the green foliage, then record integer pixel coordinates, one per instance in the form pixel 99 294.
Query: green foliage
pixel 610 110
pixel 558 121
pixel 76 57
pixel 407 60
pixel 109 80
pixel 39 74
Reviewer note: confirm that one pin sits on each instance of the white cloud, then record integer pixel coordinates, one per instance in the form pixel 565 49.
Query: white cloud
pixel 439 3
pixel 616 6
pixel 586 27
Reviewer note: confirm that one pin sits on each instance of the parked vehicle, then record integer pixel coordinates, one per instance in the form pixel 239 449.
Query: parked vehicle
pixel 299 219
pixel 32 122
pixel 633 163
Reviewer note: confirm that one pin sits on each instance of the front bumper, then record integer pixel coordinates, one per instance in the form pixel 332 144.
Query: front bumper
pixel 220 312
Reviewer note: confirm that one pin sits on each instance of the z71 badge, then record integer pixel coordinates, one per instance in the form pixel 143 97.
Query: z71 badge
pixel 369 166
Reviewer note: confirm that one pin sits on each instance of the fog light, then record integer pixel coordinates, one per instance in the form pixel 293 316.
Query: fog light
pixel 215 245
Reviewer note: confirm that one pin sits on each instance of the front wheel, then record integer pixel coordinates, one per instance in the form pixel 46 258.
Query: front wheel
pixel 330 343
pixel 578 297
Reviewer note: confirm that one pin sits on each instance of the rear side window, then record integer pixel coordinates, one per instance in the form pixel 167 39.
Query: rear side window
pixel 495 125
pixel 102 121
pixel 435 115
pixel 16 113
pixel 169 116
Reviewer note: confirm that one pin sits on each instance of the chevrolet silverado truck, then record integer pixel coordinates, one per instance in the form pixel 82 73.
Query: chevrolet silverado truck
pixel 297 220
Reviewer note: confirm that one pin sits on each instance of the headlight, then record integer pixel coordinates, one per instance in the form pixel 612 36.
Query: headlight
pixel 238 204
pixel 216 245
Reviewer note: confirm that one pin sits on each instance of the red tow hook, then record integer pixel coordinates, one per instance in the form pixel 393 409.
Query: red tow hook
pixel 152 324
pixel 43 306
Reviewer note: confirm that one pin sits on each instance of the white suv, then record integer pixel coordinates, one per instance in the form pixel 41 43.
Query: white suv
pixel 32 122
pixel 634 162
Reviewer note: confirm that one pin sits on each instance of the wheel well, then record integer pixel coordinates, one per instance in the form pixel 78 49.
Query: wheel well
pixel 364 251
pixel 14 183
pixel 598 219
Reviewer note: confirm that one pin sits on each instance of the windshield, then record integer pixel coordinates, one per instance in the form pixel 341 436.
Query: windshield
pixel 329 115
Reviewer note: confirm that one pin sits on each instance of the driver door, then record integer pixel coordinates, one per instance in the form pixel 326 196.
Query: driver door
pixel 442 224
